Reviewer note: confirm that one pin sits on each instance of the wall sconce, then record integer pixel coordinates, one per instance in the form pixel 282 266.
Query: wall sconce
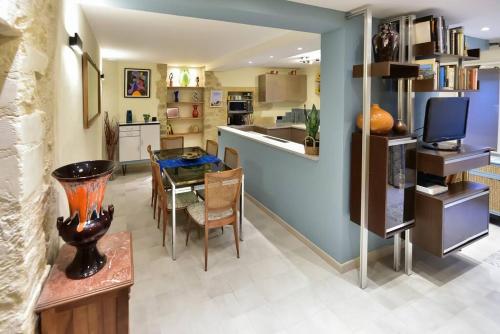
pixel 102 76
pixel 76 44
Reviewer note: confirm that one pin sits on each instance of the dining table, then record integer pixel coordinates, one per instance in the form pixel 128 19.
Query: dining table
pixel 184 169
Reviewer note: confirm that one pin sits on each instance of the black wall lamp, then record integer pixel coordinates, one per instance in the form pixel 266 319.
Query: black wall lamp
pixel 75 42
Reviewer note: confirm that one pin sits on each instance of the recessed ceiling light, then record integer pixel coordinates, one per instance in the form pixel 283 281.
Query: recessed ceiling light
pixel 485 29
pixel 299 48
pixel 271 56
pixel 250 62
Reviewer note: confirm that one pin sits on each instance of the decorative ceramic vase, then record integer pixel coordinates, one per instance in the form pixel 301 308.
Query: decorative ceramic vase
pixel 84 184
pixel 381 121
pixel 195 111
pixel 176 96
pixel 400 127
pixel 185 78
pixel 386 43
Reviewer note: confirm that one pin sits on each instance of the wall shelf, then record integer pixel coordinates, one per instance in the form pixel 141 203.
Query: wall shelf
pixel 427 51
pixel 184 102
pixel 427 86
pixel 184 118
pixel 388 69
pixel 185 87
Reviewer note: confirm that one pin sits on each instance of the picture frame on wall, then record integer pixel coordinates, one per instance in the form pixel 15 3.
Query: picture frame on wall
pixel 137 83
pixel 216 98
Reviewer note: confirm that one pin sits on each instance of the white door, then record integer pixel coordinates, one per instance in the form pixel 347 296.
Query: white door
pixel 130 148
pixel 150 135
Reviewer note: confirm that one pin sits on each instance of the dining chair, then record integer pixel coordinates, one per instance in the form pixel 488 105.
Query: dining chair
pixel 231 159
pixel 212 147
pixel 171 142
pixel 182 201
pixel 222 190
pixel 154 182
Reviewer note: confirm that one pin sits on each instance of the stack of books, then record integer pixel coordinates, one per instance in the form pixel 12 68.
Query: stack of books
pixel 446 40
pixel 448 77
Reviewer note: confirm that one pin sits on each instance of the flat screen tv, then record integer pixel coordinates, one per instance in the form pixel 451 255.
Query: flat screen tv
pixel 445 119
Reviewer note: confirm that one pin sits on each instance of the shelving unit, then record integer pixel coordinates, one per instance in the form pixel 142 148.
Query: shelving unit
pixel 427 51
pixel 182 125
pixel 388 70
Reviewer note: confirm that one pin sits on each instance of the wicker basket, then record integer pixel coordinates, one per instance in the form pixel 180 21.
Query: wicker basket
pixel 311 150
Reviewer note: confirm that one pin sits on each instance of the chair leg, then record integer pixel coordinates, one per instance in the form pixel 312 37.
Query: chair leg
pixel 206 247
pixel 159 216
pixel 222 229
pixel 236 239
pixel 189 225
pixel 152 194
pixel 155 202
pixel 165 217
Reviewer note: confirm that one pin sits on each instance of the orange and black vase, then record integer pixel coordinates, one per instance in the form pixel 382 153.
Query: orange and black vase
pixel 84 183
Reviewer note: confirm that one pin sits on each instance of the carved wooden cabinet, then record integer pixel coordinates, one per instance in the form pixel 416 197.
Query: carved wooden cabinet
pixel 97 304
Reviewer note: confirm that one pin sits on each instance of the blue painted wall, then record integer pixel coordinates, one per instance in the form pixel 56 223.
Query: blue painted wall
pixel 311 196
pixel 477 43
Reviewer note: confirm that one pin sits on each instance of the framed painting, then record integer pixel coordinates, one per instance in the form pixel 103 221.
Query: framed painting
pixel 216 99
pixel 137 82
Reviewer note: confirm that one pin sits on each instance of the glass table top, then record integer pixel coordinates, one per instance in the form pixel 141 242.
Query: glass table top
pixel 192 175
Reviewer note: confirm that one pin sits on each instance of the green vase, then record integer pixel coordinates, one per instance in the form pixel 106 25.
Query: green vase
pixel 185 78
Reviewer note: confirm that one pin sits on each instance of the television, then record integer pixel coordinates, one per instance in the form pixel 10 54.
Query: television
pixel 445 120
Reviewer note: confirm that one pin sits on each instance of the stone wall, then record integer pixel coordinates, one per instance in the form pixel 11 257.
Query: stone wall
pixel 27 236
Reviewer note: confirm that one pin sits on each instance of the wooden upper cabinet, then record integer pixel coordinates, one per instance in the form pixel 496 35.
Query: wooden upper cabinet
pixel 282 88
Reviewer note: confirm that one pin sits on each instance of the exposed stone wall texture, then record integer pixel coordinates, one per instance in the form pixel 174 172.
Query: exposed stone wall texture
pixel 27 236
pixel 161 95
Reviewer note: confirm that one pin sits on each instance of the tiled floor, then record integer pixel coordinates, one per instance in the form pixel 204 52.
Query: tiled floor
pixel 280 286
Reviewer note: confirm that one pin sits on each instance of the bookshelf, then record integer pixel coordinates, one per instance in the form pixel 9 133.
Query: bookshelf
pixel 183 125
pixel 388 70
pixel 447 69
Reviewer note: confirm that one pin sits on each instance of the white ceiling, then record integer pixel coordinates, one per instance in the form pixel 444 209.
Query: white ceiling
pixel 153 37
pixel 473 15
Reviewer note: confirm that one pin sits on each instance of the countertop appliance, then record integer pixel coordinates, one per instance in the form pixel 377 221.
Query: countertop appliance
pixel 239 107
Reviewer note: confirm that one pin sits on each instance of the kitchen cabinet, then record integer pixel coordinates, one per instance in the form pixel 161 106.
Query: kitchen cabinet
pixel 282 88
pixel 134 139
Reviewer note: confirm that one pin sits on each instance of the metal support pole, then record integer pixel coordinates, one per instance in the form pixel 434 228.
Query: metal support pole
pixel 173 220
pixel 365 150
pixel 397 251
pixel 408 252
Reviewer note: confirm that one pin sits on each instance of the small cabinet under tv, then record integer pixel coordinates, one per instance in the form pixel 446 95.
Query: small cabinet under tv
pixel 391 185
pixel 452 220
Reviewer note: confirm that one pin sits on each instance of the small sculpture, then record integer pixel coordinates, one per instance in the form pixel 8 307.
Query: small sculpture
pixel 171 79
pixel 386 44
pixel 176 96
pixel 197 81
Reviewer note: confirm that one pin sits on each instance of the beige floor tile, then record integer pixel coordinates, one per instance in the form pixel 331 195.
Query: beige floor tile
pixel 281 286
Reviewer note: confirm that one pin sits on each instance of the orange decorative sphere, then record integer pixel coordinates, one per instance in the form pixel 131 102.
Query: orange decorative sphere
pixel 381 122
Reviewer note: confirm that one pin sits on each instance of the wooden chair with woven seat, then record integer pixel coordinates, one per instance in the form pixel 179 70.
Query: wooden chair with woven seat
pixel 171 142
pixel 212 147
pixel 182 201
pixel 222 190
pixel 231 159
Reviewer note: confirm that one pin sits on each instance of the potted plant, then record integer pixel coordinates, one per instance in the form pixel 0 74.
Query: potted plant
pixel 146 117
pixel 311 141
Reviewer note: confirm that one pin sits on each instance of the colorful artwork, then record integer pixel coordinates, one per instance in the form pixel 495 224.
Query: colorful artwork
pixel 137 82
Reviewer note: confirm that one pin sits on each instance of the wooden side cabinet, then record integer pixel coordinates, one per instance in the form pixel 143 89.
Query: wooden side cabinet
pixel 391 185
pixel 97 304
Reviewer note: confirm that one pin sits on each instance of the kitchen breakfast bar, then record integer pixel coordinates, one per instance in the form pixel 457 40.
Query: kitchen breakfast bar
pixel 302 190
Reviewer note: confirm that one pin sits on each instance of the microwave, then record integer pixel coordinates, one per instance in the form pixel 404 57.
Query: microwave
pixel 239 107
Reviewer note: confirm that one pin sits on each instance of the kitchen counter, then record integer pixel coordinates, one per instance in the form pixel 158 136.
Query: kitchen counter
pixel 257 134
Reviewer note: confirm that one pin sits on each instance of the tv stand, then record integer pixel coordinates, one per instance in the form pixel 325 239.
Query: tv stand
pixel 454 219
pixel 447 147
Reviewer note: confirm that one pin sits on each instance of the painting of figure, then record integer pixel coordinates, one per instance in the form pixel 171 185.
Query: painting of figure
pixel 137 82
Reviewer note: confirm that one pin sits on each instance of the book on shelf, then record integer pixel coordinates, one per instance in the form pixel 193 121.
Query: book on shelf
pixel 446 40
pixel 423 29
pixel 448 77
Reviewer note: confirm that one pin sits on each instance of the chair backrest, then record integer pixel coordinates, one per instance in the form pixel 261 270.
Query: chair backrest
pixel 150 152
pixel 157 174
pixel 172 142
pixel 231 157
pixel 222 190
pixel 212 147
